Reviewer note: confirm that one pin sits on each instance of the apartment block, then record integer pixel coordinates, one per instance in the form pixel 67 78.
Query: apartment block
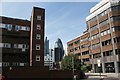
pixel 103 28
pixel 22 41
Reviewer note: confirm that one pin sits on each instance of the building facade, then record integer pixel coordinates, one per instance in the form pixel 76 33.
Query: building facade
pixel 103 29
pixel 22 41
pixel 49 59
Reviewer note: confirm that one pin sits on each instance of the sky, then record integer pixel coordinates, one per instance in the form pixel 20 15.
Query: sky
pixel 64 20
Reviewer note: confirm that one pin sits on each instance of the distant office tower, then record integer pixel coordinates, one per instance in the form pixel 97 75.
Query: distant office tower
pixel 49 59
pixel 58 50
pixel 46 47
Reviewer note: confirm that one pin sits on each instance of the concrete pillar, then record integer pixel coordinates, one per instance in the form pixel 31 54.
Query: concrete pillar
pixel 93 68
pixel 103 67
pixel 116 66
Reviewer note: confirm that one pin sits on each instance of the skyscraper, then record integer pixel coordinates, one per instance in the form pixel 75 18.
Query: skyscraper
pixel 58 50
pixel 46 47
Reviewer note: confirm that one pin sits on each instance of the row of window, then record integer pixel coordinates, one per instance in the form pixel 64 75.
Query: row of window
pixel 108 53
pixel 115 18
pixel 84 39
pixel 84 46
pixel 117 28
pixel 86 59
pixel 94 28
pixel 105 32
pixel 107 42
pixel 77 48
pixel 103 13
pixel 5 64
pixel 104 23
pixel 94 36
pixel 17 27
pixel 116 8
pixel 117 40
pixel 97 55
pixel 77 42
pixel 85 53
pixel 9 45
pixel 69 45
pixel 104 43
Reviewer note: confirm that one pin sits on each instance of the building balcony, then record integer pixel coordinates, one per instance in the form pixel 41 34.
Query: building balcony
pixel 104 27
pixel 84 49
pixel 85 56
pixel 107 48
pixel 95 41
pixel 96 31
pixel 108 59
pixel 97 50
pixel 106 37
pixel 102 18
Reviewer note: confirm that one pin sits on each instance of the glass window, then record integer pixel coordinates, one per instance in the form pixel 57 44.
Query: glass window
pixel 37 58
pixel 39 17
pixel 37 47
pixel 17 28
pixel 9 27
pixel 38 27
pixel 20 46
pixel 38 36
pixel 7 45
pixel 15 45
pixel 27 28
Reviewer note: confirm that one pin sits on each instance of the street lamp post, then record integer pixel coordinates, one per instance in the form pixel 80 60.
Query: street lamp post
pixel 73 66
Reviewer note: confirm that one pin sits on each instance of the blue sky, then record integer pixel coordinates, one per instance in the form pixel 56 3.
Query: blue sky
pixel 64 20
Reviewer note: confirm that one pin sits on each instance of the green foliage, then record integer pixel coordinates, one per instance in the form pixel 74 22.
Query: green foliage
pixel 67 64
pixel 86 68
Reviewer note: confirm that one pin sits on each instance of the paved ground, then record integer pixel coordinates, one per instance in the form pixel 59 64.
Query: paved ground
pixel 110 78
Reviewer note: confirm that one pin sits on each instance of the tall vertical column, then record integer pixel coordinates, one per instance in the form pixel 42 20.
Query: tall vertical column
pixel 37 37
pixel 0 48
pixel 113 45
pixel 102 61
pixel 90 48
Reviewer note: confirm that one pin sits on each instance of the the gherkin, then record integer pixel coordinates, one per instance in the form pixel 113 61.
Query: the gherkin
pixel 58 50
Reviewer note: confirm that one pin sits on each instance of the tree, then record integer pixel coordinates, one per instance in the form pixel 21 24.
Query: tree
pixel 67 64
